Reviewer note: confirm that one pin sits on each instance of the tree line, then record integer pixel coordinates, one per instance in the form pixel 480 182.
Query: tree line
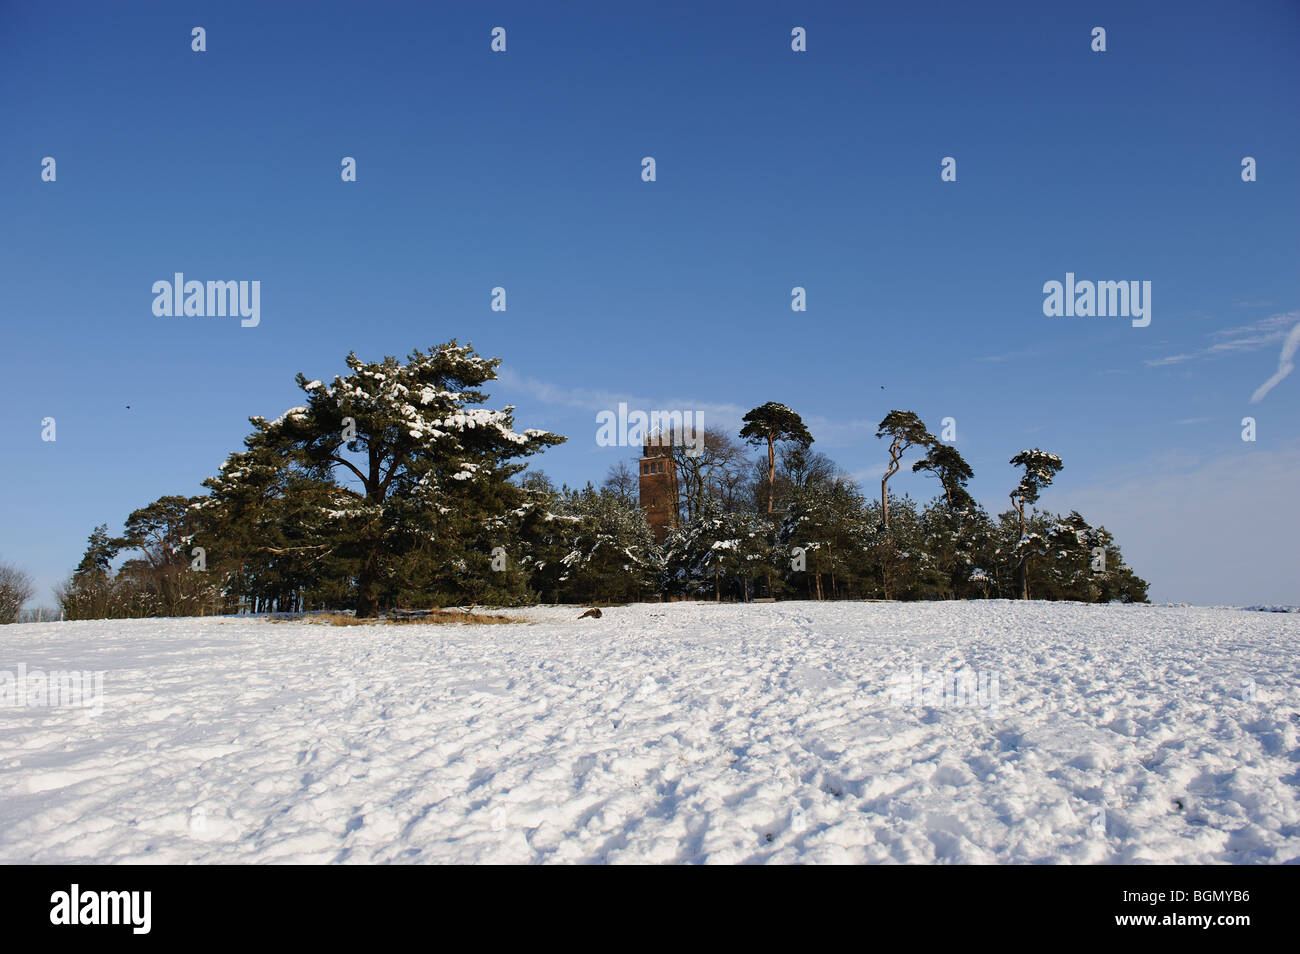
pixel 393 485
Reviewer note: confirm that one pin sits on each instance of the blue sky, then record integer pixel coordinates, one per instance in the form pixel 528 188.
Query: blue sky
pixel 774 169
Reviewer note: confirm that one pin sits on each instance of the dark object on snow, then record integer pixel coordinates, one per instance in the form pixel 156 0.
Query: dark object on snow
pixel 594 613
pixel 398 614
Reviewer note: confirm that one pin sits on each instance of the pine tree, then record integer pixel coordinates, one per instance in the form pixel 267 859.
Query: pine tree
pixel 950 531
pixel 403 437
pixel 88 593
pixel 904 429
pixel 825 520
pixel 270 532
pixel 100 551
pixel 162 578
pixel 946 463
pixel 610 554
pixel 1040 467
pixel 897 551
pixel 767 424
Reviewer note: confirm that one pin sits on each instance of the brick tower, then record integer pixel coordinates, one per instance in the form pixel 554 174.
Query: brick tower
pixel 659 486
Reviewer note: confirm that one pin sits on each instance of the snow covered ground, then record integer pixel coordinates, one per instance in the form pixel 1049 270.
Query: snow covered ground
pixel 832 732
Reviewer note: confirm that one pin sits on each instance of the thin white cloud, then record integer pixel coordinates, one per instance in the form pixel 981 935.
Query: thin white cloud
pixel 1171 359
pixel 1251 337
pixel 1272 323
pixel 828 433
pixel 588 399
pixel 1008 356
pixel 868 473
pixel 1285 365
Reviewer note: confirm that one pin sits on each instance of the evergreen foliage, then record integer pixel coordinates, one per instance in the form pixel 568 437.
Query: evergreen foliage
pixel 393 486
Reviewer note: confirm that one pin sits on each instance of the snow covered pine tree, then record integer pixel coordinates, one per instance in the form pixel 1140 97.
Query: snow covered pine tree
pixel 410 445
